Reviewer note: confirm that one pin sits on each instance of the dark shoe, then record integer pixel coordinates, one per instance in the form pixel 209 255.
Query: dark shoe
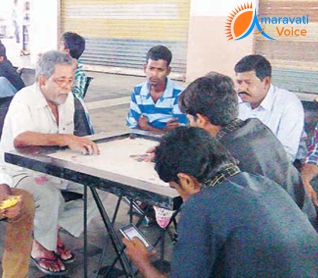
pixel 37 261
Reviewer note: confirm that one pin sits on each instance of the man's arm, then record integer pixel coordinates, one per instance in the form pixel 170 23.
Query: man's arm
pixel 81 144
pixel 143 124
pixel 308 172
pixel 134 112
pixel 309 169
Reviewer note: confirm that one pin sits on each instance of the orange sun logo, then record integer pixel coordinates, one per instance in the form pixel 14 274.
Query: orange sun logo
pixel 239 21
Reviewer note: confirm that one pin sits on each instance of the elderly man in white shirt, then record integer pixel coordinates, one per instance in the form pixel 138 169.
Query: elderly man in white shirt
pixel 280 110
pixel 43 115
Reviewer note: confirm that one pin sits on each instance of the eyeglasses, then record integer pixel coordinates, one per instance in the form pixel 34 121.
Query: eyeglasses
pixel 62 82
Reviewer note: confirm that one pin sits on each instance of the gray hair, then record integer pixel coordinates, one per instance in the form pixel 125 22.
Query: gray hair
pixel 47 62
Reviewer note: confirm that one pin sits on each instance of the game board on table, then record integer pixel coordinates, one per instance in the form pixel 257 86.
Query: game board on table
pixel 122 156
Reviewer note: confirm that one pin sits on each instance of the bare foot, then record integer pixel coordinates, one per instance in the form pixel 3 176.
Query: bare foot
pixel 46 260
pixel 65 254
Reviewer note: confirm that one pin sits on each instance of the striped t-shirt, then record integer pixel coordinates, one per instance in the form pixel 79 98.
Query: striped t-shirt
pixel 159 113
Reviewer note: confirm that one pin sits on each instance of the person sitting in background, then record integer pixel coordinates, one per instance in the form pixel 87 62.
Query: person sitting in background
pixel 232 223
pixel 211 103
pixel 154 103
pixel 278 109
pixel 10 80
pixel 309 169
pixel 18 236
pixel 74 45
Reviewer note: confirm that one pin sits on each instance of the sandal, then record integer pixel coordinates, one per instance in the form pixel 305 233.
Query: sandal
pixel 37 261
pixel 60 249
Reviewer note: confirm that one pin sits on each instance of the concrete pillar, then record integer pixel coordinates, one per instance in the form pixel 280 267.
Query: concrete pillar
pixel 208 47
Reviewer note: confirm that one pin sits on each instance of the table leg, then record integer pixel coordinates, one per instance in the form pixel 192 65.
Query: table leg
pixel 113 236
pixel 85 231
pixel 102 257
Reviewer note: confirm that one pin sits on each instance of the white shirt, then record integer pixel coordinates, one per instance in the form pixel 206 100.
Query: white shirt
pixel 5 179
pixel 29 111
pixel 283 113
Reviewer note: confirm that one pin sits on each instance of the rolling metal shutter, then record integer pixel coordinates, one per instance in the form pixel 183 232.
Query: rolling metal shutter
pixel 294 58
pixel 119 33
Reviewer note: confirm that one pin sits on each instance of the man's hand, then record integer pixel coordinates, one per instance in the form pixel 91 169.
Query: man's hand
pixel 143 122
pixel 76 143
pixel 140 256
pixel 137 251
pixel 171 124
pixel 151 156
pixel 82 144
pixel 308 172
pixel 14 211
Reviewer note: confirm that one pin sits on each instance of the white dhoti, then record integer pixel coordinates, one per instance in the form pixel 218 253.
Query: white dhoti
pixel 51 211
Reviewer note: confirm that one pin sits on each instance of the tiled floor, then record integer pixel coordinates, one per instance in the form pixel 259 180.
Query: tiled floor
pixel 108 102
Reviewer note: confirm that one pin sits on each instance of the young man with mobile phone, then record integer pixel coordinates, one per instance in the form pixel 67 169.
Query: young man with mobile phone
pixel 232 223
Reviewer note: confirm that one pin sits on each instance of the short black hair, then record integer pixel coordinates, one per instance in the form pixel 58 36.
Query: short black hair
pixel 75 43
pixel 159 52
pixel 212 96
pixel 3 51
pixel 257 63
pixel 192 151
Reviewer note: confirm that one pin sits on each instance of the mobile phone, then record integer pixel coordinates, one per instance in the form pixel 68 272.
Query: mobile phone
pixel 130 231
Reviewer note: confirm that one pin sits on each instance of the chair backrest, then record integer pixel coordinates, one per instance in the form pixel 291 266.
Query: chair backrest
pixel 88 81
pixel 4 106
pixel 27 75
pixel 81 125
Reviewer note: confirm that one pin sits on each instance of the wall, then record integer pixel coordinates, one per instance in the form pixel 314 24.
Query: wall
pixel 44 17
pixel 208 47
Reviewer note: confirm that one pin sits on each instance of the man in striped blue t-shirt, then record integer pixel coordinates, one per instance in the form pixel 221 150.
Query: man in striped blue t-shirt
pixel 154 103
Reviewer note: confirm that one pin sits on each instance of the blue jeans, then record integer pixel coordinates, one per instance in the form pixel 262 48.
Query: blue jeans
pixel 6 88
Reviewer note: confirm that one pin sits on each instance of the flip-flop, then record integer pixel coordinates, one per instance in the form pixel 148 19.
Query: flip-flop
pixel 58 253
pixel 36 262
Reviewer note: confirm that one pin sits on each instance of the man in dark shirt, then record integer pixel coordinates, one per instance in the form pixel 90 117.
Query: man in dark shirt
pixel 232 224
pixel 10 80
pixel 211 103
